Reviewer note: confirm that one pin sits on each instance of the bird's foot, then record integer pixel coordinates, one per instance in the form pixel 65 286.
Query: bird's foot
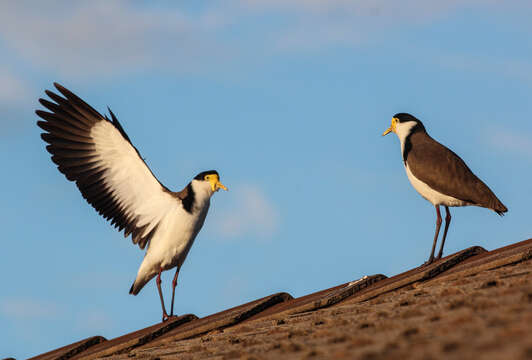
pixel 427 263
pixel 165 316
pixel 172 315
pixel 439 256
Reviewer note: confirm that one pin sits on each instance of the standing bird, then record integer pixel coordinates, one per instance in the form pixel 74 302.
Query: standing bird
pixel 97 154
pixel 438 174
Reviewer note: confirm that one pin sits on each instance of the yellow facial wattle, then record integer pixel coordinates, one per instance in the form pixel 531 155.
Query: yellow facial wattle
pixel 215 182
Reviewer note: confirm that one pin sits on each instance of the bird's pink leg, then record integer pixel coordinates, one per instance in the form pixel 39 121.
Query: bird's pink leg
pixel 158 281
pixel 447 222
pixel 438 225
pixel 174 284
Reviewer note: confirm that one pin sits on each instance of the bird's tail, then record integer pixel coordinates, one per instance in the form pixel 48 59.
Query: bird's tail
pixel 499 207
pixel 136 287
pixel 489 200
pixel 140 281
pixel 501 210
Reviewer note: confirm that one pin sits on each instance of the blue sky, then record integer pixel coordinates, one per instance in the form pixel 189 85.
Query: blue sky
pixel 287 100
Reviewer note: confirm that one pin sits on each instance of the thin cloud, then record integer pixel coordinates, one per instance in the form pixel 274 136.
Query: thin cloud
pixel 15 95
pixel 117 37
pixel 95 321
pixel 27 309
pixel 234 290
pixel 86 38
pixel 507 140
pixel 391 8
pixel 314 23
pixel 510 68
pixel 13 90
pixel 250 214
pixel 95 281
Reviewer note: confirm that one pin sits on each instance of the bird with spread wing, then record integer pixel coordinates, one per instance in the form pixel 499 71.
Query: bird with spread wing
pixel 96 153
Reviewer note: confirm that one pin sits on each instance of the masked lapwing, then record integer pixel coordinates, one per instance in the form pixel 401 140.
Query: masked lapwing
pixel 96 153
pixel 439 175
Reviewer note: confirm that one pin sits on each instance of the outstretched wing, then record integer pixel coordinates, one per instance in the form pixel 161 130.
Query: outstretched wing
pixel 97 154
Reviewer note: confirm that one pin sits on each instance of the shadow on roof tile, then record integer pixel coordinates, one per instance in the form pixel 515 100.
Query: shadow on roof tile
pixel 320 299
pixel 507 255
pixel 135 339
pixel 222 319
pixel 68 351
pixel 421 273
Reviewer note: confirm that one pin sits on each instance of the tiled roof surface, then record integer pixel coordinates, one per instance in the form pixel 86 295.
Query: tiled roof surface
pixel 472 304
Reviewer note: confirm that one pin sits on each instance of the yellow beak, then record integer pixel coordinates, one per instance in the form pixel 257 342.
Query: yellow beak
pixel 392 127
pixel 216 184
pixel 219 185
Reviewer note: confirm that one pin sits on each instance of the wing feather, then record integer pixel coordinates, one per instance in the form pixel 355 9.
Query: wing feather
pixel 97 154
pixel 432 163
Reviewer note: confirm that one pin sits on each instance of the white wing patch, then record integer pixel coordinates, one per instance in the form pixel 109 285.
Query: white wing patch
pixel 96 153
pixel 131 182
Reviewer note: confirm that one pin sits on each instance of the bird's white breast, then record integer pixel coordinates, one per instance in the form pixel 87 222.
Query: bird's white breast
pixel 435 197
pixel 172 241
pixel 175 239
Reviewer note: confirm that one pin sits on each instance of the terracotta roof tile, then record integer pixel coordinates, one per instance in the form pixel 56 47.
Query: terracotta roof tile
pixel 467 305
pixel 421 273
pixel 223 319
pixel 320 299
pixel 514 253
pixel 66 352
pixel 135 339
pixel 487 316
